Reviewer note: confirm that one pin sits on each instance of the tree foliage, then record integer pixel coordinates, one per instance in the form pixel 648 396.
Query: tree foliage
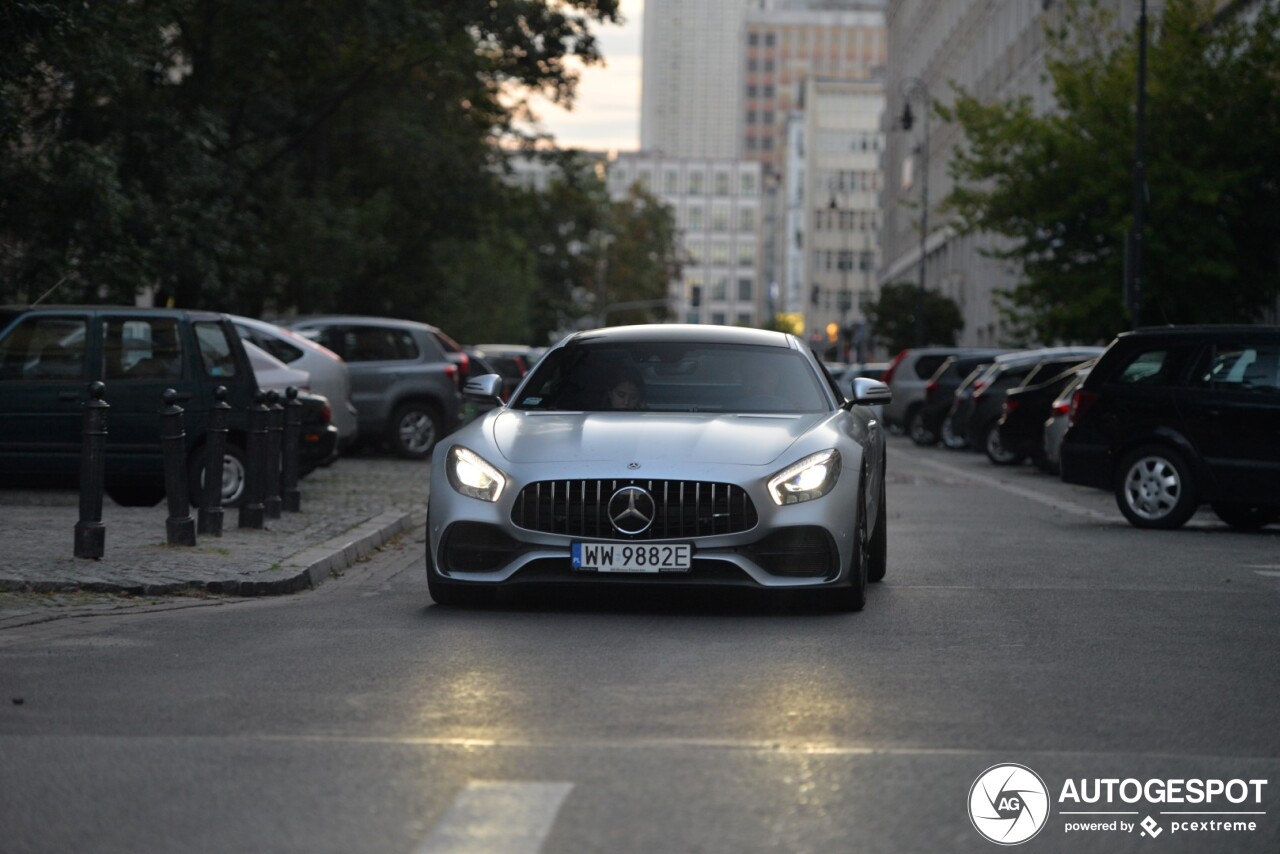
pixel 1059 187
pixel 893 317
pixel 271 157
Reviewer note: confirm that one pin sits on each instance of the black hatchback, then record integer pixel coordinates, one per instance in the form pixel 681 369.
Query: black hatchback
pixel 1175 417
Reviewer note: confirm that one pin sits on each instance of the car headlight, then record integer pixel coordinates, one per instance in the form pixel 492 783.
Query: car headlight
pixel 812 477
pixel 471 475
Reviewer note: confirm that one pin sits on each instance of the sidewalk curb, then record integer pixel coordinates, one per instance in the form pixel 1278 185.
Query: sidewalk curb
pixel 302 570
pixel 310 567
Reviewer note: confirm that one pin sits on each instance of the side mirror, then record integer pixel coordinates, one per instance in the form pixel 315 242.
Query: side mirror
pixel 870 392
pixel 487 388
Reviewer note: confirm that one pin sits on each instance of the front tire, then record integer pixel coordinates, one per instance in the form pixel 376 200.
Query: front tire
pixel 415 429
pixel 879 561
pixel 234 476
pixel 854 597
pixel 950 438
pixel 919 431
pixel 1154 488
pixel 996 451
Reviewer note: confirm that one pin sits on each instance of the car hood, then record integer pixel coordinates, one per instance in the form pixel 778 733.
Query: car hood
pixel 537 437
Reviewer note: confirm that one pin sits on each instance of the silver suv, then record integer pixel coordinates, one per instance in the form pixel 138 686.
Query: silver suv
pixel 907 376
pixel 402 383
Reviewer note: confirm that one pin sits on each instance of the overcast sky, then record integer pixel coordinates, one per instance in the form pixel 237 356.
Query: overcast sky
pixel 606 115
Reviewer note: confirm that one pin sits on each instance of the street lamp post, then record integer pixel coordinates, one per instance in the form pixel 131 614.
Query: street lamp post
pixel 1133 267
pixel 913 88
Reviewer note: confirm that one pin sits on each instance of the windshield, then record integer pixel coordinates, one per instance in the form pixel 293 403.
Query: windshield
pixel 674 378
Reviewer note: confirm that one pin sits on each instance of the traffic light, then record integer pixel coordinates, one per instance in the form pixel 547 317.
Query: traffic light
pixel 833 331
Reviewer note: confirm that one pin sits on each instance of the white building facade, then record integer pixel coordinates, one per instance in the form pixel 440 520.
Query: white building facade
pixel 716 203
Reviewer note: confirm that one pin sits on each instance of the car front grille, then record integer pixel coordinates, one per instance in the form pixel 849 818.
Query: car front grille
pixel 682 508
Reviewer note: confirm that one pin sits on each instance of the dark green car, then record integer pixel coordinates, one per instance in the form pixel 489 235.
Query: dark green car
pixel 50 355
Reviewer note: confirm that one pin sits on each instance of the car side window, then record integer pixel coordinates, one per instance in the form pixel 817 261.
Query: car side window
pixel 282 350
pixel 215 350
pixel 142 348
pixel 44 348
pixel 1147 367
pixel 372 344
pixel 1242 368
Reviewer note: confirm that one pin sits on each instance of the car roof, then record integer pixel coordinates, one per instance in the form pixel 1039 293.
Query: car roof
pixel 1197 330
pixel 683 332
pixel 1021 356
pixel 356 319
pixel 15 310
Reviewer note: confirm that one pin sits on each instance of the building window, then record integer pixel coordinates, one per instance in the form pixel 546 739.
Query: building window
pixel 747 184
pixel 694 218
pixel 697 183
pixel 745 319
pixel 744 289
pixel 671 182
pixel 746 255
pixel 694 252
pixel 718 318
pixel 747 220
pixel 692 317
pixel 751 117
pixel 722 184
pixel 720 218
pixel 753 91
pixel 720 254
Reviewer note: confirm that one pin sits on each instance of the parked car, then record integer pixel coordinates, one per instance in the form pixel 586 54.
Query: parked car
pixel 327 370
pixel 908 374
pixel 1055 426
pixel 954 431
pixel 404 386
pixel 273 374
pixel 742 467
pixel 1012 370
pixel 925 424
pixel 1175 417
pixel 50 355
pixel 1025 409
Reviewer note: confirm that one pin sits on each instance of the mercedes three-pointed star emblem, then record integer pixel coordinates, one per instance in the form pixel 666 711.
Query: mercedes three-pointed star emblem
pixel 631 510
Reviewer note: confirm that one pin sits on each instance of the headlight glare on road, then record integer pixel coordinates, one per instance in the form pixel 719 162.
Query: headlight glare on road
pixel 812 477
pixel 471 475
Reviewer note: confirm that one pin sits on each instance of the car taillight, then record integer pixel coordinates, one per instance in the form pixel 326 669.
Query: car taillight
pixel 893 367
pixel 1082 401
pixel 464 367
pixel 929 391
pixel 1009 405
pixel 451 371
pixel 326 414
pixel 979 388
pixel 1062 408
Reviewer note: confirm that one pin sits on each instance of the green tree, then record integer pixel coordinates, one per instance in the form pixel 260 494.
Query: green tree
pixel 1059 186
pixel 250 156
pixel 893 317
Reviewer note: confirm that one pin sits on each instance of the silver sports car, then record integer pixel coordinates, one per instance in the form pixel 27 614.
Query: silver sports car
pixel 665 454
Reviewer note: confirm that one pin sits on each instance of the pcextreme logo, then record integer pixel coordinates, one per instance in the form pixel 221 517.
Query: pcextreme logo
pixel 1009 804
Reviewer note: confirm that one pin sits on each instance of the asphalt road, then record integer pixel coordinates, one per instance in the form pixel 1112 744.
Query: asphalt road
pixel 1021 621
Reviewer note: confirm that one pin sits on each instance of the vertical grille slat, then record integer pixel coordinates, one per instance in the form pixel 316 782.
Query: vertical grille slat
pixel 682 508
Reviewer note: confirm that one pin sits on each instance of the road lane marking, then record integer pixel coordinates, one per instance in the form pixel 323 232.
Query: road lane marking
pixel 1030 494
pixel 1269 573
pixel 497 817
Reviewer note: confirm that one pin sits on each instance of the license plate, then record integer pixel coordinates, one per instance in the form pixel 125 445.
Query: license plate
pixel 632 557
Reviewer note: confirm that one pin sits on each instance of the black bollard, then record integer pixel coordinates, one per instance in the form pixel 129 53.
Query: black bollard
pixel 91 534
pixel 180 527
pixel 275 427
pixel 215 449
pixel 252 511
pixel 291 498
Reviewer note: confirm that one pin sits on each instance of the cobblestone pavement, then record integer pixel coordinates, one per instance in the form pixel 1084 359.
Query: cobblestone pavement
pixel 348 510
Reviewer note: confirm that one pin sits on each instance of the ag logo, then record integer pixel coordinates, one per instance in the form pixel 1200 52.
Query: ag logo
pixel 1008 804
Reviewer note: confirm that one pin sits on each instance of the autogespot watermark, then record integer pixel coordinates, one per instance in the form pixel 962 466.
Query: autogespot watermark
pixel 1009 804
